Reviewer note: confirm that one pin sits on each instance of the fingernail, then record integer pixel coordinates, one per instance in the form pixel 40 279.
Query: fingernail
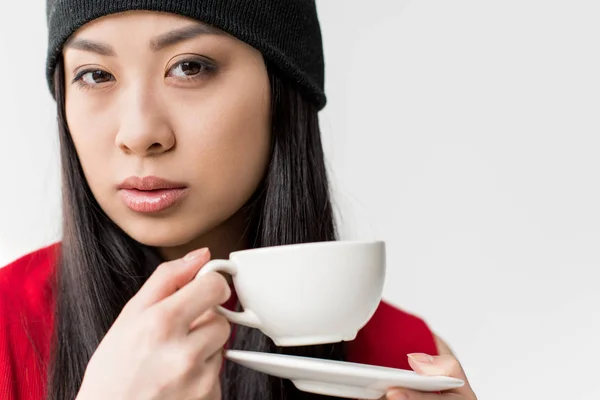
pixel 396 395
pixel 196 254
pixel 421 358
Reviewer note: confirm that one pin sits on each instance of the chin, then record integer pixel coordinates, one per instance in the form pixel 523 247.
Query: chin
pixel 158 240
pixel 180 229
pixel 165 233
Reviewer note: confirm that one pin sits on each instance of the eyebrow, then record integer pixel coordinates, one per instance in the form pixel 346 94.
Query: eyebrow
pixel 91 46
pixel 180 35
pixel 156 44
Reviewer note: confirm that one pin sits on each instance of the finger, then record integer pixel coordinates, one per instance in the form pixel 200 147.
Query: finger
pixel 203 318
pixel 208 386
pixel 168 278
pixel 196 298
pixel 209 339
pixel 203 381
pixel 214 362
pixel 407 394
pixel 444 365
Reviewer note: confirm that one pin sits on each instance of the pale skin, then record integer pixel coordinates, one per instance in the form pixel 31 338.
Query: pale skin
pixel 157 94
pixel 445 364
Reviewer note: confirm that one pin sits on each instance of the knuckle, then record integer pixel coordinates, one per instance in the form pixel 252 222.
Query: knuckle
pixel 178 366
pixel 217 329
pixel 210 316
pixel 167 272
pixel 217 360
pixel 163 269
pixel 161 316
pixel 186 363
pixel 224 327
pixel 215 287
pixel 163 274
pixel 155 327
pixel 169 314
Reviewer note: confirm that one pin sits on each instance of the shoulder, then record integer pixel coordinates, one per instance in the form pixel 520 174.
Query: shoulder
pixel 25 318
pixel 390 335
pixel 30 262
pixel 25 282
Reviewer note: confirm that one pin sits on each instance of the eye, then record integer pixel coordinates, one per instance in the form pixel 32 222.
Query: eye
pixel 93 77
pixel 187 68
pixel 190 69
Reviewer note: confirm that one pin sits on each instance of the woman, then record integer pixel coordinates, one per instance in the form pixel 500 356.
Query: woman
pixel 188 130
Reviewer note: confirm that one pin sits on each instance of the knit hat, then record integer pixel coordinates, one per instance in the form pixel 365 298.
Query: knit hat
pixel 286 32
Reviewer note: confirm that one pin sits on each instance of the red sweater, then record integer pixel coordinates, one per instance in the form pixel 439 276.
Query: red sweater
pixel 26 306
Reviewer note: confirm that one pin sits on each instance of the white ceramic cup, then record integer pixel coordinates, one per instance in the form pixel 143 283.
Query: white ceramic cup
pixel 306 294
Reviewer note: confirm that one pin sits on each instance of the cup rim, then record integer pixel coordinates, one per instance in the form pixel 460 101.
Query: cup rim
pixel 331 243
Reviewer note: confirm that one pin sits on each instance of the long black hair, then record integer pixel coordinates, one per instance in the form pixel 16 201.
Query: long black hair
pixel 101 268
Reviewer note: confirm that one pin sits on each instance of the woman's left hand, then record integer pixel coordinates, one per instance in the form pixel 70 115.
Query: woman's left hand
pixel 443 365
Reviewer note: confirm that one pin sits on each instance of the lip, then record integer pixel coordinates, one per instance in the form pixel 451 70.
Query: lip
pixel 149 183
pixel 150 194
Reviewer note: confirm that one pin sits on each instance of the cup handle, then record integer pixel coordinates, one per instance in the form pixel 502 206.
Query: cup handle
pixel 246 317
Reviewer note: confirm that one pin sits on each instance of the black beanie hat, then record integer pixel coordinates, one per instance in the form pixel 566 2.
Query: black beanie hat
pixel 286 32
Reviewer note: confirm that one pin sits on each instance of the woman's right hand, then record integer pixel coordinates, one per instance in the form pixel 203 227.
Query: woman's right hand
pixel 167 342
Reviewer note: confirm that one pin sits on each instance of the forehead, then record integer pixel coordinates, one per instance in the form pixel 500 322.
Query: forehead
pixel 139 23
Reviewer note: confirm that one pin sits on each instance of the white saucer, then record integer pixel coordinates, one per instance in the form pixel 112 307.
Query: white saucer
pixel 339 379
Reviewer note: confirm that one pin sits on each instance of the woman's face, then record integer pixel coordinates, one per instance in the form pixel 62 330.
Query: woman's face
pixel 156 95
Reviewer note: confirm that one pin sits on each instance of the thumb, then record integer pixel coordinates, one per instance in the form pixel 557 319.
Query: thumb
pixel 443 365
pixel 168 278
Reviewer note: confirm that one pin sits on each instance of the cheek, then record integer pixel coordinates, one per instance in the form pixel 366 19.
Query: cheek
pixel 227 141
pixel 92 132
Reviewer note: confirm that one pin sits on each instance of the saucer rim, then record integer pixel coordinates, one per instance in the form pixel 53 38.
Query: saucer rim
pixel 350 369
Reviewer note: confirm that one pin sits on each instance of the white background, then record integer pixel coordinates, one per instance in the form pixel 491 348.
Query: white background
pixel 464 133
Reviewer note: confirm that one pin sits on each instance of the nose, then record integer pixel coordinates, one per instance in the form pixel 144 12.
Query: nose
pixel 144 129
